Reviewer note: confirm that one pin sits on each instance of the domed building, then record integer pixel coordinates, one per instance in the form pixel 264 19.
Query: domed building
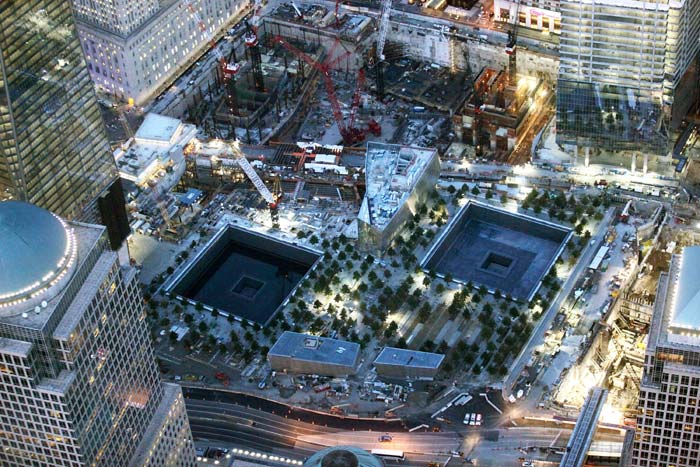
pixel 37 256
pixel 343 456
pixel 75 352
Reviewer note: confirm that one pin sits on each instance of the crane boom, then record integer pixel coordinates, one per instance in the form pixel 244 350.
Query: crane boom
pixel 383 27
pixel 252 174
pixel 349 133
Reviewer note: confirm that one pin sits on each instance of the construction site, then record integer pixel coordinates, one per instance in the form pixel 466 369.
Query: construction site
pixel 310 72
pixel 599 336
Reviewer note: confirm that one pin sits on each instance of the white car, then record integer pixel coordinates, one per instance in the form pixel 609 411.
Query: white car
pixel 472 420
pixel 466 418
pixel 478 419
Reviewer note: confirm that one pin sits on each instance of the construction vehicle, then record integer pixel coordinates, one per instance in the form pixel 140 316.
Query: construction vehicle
pixel 374 128
pixel 381 40
pixel 350 134
pixel 223 378
pixel 512 45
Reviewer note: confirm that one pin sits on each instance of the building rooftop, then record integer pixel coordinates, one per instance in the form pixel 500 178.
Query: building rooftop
pixel 35 312
pixel 405 357
pixel 315 349
pixel 37 249
pixel 191 196
pixel 158 129
pixel 675 322
pixel 391 173
pixel 15 347
pixel 685 305
pixel 343 456
pixel 156 149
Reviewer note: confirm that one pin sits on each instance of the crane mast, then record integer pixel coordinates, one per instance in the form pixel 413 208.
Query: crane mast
pixel 229 69
pixel 511 46
pixel 381 40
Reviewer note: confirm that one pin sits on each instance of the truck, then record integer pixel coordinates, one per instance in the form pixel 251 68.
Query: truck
pixel 222 378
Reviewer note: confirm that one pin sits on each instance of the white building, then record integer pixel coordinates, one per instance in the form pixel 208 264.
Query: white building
pixel 155 156
pixel 535 14
pixel 668 420
pixel 132 47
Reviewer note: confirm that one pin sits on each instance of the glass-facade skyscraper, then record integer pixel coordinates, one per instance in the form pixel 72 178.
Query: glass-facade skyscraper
pixel 79 383
pixel 611 72
pixel 54 150
pixel 628 72
pixel 668 415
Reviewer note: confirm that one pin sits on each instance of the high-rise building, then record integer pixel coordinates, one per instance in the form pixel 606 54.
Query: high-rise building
pixel 54 150
pixel 135 47
pixel 623 75
pixel 668 420
pixel 79 383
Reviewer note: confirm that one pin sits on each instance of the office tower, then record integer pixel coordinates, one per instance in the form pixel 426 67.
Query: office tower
pixel 668 420
pixel 134 48
pixel 53 147
pixel 622 62
pixel 79 383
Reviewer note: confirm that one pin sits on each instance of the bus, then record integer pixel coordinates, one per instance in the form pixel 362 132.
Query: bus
pixel 388 454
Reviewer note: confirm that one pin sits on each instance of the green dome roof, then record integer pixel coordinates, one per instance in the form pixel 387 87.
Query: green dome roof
pixel 35 247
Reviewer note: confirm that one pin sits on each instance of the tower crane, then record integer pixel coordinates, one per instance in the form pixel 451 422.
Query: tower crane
pixel 349 133
pixel 511 45
pixel 337 14
pixel 381 40
pixel 251 41
pixel 228 69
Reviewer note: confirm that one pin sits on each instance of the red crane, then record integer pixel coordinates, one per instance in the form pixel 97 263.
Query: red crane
pixel 350 134
pixel 228 69
pixel 337 18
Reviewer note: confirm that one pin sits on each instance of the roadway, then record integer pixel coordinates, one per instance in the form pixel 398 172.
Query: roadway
pixel 537 337
pixel 234 420
pixel 222 419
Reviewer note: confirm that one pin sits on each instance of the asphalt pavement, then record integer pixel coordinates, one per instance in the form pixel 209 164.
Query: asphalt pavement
pixel 222 419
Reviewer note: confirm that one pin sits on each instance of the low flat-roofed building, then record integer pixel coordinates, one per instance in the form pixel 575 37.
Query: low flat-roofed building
pixel 302 353
pixel 393 362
